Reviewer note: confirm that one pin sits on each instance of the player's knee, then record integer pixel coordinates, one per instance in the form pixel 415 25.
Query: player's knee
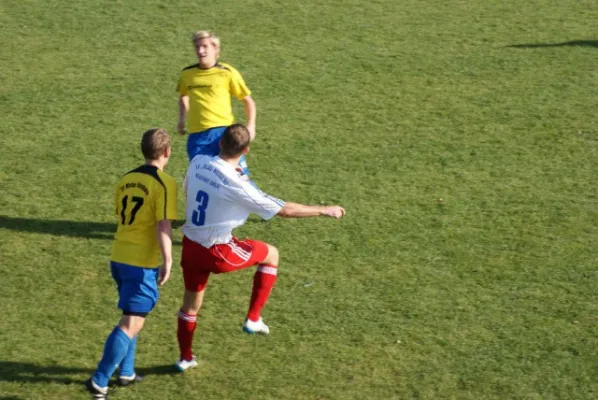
pixel 192 301
pixel 131 323
pixel 272 257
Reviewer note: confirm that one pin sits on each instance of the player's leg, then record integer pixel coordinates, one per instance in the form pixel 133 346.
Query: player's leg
pixel 187 322
pixel 131 325
pixel 238 255
pixel 145 286
pixel 196 279
pixel 136 300
pixel 263 282
pixel 133 319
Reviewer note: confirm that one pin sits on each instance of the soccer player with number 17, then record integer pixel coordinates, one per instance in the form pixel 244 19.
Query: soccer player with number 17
pixel 146 203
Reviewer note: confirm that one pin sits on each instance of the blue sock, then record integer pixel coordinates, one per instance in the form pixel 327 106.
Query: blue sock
pixel 115 349
pixel 127 366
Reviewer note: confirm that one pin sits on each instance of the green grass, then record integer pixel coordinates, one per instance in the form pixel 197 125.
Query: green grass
pixel 460 136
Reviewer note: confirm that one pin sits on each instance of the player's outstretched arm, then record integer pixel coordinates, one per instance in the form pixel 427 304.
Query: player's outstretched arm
pixel 183 108
pixel 296 210
pixel 250 113
pixel 165 241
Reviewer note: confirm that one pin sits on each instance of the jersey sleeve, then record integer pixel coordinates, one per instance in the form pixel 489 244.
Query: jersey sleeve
pixel 258 202
pixel 167 201
pixel 238 88
pixel 181 87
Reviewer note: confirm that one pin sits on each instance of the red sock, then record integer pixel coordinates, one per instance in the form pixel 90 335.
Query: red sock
pixel 263 281
pixel 185 334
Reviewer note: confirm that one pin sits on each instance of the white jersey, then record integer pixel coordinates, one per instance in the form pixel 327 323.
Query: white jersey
pixel 219 200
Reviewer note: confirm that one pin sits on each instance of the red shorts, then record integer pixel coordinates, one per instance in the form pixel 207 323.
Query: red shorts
pixel 198 262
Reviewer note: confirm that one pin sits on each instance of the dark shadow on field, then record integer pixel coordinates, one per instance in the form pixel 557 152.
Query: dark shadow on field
pixel 574 43
pixel 11 371
pixel 166 369
pixel 27 372
pixel 92 230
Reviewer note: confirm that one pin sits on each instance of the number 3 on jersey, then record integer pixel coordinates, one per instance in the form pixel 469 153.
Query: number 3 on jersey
pixel 199 216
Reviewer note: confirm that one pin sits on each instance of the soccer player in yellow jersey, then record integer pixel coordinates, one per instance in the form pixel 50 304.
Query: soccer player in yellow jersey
pixel 146 203
pixel 205 91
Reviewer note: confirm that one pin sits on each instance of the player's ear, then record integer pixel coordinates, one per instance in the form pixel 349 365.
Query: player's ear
pixel 220 144
pixel 245 150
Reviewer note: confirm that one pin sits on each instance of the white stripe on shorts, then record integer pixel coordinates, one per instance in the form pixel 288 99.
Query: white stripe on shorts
pixel 243 254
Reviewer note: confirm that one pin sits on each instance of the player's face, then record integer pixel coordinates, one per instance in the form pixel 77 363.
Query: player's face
pixel 206 52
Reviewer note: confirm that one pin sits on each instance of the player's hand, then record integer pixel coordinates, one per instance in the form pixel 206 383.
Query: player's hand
pixel 334 211
pixel 164 273
pixel 181 127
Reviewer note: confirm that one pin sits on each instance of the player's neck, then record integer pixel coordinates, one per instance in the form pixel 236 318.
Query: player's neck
pixel 207 66
pixel 234 161
pixel 160 164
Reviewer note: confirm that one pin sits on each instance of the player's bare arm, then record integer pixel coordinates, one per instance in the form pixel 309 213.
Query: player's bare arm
pixel 183 108
pixel 295 210
pixel 165 240
pixel 250 113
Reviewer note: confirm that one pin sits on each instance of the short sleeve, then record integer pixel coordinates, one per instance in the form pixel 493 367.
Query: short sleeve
pixel 181 88
pixel 238 88
pixel 167 201
pixel 258 202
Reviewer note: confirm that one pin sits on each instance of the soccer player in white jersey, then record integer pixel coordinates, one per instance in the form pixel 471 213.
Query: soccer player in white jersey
pixel 218 201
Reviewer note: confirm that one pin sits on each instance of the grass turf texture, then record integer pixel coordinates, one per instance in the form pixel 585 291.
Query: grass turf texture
pixel 385 107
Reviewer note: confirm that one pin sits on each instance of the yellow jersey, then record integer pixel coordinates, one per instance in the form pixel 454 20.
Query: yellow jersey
pixel 144 196
pixel 210 92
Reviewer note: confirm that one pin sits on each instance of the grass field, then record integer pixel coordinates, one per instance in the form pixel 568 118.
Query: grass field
pixel 461 136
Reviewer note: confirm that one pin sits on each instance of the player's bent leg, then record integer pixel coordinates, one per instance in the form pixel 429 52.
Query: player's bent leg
pixel 263 282
pixel 273 256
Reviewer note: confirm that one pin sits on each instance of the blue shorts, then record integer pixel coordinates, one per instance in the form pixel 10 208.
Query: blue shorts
pixel 208 143
pixel 137 287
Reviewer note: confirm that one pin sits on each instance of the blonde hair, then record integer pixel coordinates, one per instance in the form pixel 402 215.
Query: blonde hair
pixel 154 143
pixel 207 35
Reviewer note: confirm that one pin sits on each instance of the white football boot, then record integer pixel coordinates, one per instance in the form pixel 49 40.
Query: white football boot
pixel 183 365
pixel 256 327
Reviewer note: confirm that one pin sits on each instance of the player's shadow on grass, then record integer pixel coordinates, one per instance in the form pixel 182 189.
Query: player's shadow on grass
pixel 166 369
pixel 11 371
pixel 92 230
pixel 572 43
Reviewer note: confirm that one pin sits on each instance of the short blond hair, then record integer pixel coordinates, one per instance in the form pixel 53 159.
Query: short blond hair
pixel 207 35
pixel 154 143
